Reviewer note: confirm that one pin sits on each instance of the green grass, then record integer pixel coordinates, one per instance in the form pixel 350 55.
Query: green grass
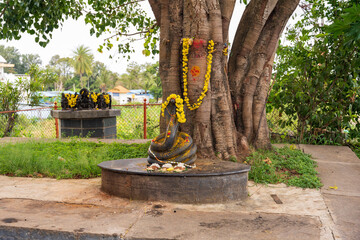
pixel 79 159
pixel 289 166
pixel 355 148
pixel 74 159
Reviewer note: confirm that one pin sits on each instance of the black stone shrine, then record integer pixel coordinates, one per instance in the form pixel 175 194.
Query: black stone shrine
pixel 87 123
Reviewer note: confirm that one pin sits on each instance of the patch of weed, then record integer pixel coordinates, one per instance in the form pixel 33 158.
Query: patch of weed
pixel 290 166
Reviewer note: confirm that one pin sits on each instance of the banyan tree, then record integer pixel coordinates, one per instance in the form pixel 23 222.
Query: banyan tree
pixel 224 87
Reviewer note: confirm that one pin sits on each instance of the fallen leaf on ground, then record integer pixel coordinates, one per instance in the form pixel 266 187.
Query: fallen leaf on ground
pixel 333 187
pixel 267 161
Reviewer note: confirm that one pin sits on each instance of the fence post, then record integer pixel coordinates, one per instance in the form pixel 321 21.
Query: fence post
pixel 56 121
pixel 144 118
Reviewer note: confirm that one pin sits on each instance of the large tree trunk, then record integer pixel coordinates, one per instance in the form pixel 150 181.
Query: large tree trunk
pixel 232 114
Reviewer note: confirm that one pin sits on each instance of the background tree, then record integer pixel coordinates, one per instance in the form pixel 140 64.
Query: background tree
pixel 82 62
pixel 317 83
pixel 156 89
pixel 133 76
pixel 63 68
pixel 232 113
pixel 21 91
pixel 27 60
pixel 11 55
pixel 22 62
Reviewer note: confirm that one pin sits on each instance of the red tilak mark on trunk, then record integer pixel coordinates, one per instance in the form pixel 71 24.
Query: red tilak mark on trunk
pixel 195 71
pixel 197 43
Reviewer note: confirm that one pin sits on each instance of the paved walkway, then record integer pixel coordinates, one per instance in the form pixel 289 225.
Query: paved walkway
pixel 339 170
pixel 77 209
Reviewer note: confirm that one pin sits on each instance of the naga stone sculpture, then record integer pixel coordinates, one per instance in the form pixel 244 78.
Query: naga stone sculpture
pixel 172 146
pixel 104 101
pixel 85 100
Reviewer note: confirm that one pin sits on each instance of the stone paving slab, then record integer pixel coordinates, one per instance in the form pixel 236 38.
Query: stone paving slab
pixel 345 211
pixel 339 166
pixel 184 224
pixel 329 153
pixel 66 217
pixel 345 176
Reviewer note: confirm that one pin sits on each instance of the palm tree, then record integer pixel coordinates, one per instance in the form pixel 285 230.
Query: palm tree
pixel 83 60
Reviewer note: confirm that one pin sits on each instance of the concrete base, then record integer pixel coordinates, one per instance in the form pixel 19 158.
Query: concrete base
pixel 87 123
pixel 128 178
pixel 43 208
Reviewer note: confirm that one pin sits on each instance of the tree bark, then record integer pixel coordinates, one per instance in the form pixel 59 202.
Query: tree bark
pixel 10 124
pixel 232 115
pixel 250 66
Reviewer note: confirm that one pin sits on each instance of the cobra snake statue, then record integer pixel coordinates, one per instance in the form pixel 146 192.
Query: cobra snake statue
pixel 172 146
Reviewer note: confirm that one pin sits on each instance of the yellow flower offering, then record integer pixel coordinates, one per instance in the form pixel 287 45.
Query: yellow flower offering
pixel 179 107
pixel 185 51
pixel 94 97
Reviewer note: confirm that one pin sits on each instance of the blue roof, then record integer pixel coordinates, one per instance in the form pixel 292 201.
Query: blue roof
pixel 49 93
pixel 136 91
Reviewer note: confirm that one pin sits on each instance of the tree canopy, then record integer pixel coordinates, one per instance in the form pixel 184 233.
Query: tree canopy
pixel 318 71
pixel 110 18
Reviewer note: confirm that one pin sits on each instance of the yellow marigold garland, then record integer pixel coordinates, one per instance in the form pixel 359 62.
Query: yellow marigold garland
pixel 179 107
pixel 94 97
pixel 185 51
pixel 71 99
pixel 107 98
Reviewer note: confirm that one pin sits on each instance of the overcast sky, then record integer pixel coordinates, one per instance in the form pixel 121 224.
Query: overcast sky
pixel 75 33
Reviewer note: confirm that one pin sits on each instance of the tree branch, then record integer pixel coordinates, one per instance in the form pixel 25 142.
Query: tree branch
pixel 130 34
pixel 247 34
pixel 227 9
pixel 156 8
pixel 3 11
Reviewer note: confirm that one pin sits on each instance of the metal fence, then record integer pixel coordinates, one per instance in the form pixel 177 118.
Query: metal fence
pixel 28 122
pixel 137 121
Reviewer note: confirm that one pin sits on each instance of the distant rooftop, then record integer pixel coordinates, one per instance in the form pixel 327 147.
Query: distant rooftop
pixel 119 89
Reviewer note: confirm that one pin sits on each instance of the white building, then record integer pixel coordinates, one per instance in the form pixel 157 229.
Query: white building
pixel 138 95
pixel 119 95
pixel 122 95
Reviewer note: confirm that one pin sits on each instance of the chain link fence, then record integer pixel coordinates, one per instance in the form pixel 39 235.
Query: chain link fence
pixel 130 124
pixel 37 122
pixel 34 121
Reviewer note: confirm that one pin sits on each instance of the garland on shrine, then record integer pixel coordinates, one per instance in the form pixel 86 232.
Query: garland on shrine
pixel 179 107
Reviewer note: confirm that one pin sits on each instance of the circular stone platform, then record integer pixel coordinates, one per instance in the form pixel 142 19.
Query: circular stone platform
pixel 215 182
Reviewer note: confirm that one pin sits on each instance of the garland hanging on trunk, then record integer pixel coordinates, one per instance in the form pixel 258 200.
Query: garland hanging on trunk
pixel 187 42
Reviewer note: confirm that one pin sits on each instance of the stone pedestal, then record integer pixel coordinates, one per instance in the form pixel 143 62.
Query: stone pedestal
pixel 87 123
pixel 128 178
